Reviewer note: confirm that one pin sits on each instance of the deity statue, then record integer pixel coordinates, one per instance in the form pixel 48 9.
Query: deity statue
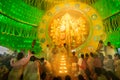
pixel 69 29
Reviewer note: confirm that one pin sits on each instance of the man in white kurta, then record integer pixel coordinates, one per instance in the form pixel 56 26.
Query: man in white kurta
pixel 110 50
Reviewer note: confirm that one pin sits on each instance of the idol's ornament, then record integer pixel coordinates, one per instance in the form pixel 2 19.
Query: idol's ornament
pixel 75 24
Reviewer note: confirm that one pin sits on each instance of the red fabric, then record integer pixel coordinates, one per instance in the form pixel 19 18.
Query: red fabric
pixel 84 65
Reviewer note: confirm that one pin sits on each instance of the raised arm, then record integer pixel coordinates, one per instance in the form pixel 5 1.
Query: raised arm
pixel 22 61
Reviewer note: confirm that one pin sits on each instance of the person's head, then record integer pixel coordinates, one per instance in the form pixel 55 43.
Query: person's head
pixel 59 77
pixel 42 59
pixel 33 52
pixel 32 58
pixel 22 50
pixel 86 55
pixel 95 55
pixel 101 41
pixel 101 54
pixel 106 57
pixel 43 75
pixel 116 56
pixel 73 53
pixel 47 45
pixel 108 43
pixel 80 77
pixel 110 56
pixel 55 78
pixel 82 55
pixel 15 51
pixel 98 72
pixel 20 55
pixel 112 76
pixel 91 54
pixel 65 44
pixel 67 77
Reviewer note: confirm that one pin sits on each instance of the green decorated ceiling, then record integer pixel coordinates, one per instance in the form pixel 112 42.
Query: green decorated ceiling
pixel 19 20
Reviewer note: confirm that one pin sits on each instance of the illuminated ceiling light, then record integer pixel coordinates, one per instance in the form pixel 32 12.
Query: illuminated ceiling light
pixel 63 64
pixel 63 61
pixel 60 71
pixel 66 71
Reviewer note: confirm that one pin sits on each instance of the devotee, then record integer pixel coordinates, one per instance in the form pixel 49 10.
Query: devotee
pixel 116 57
pixel 74 61
pixel 110 50
pixel 46 67
pixel 43 75
pixel 67 77
pixel 63 49
pixel 82 66
pixel 117 65
pixel 59 77
pixel 66 47
pixel 32 70
pixel 101 47
pixel 80 77
pixel 33 43
pixel 111 76
pixel 18 66
pixel 90 63
pixel 55 49
pixel 97 63
pixel 48 52
pixel 15 53
pixel 21 61
pixel 87 71
pixel 108 63
pixel 101 76
pixel 3 72
pixel 55 78
pixel 101 57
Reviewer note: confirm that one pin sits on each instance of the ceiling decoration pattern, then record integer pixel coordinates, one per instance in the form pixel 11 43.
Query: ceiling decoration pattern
pixel 18 42
pixel 112 28
pixel 18 11
pixel 108 9
pixel 47 4
pixel 112 23
pixel 18 28
pixel 16 21
pixel 105 8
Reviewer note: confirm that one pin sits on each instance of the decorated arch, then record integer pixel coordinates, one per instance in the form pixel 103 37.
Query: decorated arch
pixel 76 24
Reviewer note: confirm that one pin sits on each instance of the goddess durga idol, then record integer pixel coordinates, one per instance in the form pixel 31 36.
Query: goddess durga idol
pixel 69 29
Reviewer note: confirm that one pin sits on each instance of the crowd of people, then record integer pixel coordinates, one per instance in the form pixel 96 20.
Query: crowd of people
pixel 104 64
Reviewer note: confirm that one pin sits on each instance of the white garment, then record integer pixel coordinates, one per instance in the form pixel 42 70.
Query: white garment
pixel 48 67
pixel 108 64
pixel 48 53
pixel 110 51
pixel 101 49
pixel 80 63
